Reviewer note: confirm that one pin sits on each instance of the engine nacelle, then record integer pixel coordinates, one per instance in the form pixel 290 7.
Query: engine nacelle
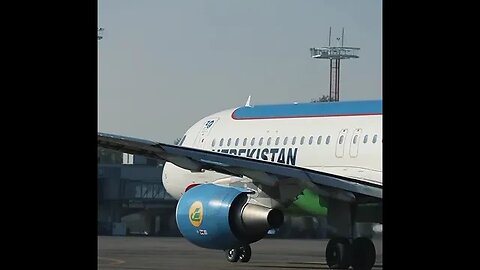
pixel 219 217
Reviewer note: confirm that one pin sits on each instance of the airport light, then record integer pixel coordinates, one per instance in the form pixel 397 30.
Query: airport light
pixel 99 33
pixel 334 54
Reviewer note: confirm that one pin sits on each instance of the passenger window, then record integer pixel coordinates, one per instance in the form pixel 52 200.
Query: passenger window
pixel 245 142
pixel 374 139
pixel 365 139
pixel 285 141
pixel 253 141
pixel 319 140
pixel 229 141
pixel 277 141
pixel 340 141
pixel 236 141
pixel 310 141
pixel 213 142
pixel 260 141
pixel 293 140
pixel 269 140
pixel 328 140
pixel 355 139
pixel 221 142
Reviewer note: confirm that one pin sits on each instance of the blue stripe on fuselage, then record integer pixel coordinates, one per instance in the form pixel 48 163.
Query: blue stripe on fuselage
pixel 320 109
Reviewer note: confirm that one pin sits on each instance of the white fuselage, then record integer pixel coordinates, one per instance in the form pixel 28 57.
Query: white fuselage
pixel 349 145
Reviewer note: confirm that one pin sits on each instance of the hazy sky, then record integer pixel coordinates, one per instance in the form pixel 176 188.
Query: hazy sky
pixel 163 65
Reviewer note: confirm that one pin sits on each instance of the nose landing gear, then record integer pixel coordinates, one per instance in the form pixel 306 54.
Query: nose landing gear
pixel 242 253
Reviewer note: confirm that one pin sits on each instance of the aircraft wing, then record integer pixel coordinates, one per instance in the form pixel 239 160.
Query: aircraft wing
pixel 197 160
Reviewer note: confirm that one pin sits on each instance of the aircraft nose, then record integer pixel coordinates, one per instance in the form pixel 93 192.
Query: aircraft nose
pixel 170 181
pixel 165 175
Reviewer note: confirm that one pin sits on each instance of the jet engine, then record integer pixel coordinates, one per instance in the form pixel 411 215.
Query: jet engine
pixel 220 217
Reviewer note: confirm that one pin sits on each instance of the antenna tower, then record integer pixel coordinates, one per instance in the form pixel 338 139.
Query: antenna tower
pixel 334 54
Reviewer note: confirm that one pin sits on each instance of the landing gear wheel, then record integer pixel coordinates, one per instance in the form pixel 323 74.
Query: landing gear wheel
pixel 245 253
pixel 232 254
pixel 338 253
pixel 364 254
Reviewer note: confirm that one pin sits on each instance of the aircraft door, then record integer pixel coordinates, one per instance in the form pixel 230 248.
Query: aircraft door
pixel 342 136
pixel 357 134
pixel 204 131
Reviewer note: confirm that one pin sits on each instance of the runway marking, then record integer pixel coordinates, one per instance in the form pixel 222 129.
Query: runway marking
pixel 294 266
pixel 293 262
pixel 113 261
pixel 302 265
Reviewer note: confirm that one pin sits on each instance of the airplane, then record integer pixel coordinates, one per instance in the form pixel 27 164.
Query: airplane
pixel 236 173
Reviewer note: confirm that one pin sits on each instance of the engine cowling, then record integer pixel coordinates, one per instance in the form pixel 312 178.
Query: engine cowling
pixel 219 217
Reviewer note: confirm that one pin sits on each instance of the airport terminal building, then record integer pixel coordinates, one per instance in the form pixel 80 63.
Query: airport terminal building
pixel 131 196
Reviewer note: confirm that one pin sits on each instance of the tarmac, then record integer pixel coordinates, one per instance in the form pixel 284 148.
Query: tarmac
pixel 130 252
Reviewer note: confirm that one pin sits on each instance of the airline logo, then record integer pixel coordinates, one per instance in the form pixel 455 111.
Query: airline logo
pixel 279 155
pixel 195 214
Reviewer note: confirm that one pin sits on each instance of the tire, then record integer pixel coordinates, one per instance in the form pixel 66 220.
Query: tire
pixel 245 253
pixel 232 255
pixel 363 254
pixel 338 253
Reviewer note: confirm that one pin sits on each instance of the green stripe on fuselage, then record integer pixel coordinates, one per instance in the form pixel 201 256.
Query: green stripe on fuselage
pixel 308 202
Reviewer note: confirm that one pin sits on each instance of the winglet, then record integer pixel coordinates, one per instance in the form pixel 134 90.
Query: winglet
pixel 248 102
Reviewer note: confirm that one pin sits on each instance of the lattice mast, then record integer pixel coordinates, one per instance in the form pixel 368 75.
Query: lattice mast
pixel 334 54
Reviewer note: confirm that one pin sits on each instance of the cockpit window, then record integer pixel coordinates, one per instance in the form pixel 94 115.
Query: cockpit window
pixel 183 139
